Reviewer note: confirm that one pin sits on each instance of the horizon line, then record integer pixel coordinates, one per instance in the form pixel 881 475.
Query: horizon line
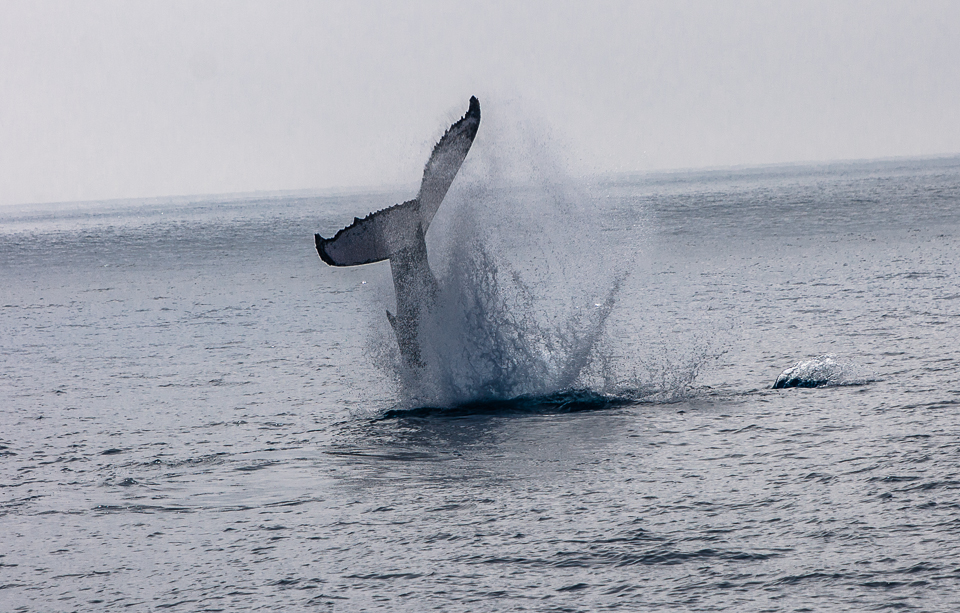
pixel 356 190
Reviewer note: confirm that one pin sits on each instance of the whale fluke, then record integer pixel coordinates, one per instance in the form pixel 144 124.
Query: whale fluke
pixel 445 162
pixel 398 233
pixel 387 232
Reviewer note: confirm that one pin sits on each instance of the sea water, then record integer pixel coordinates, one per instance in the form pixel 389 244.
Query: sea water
pixel 196 414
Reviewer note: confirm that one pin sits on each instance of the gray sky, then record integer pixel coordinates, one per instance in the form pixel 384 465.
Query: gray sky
pixel 132 99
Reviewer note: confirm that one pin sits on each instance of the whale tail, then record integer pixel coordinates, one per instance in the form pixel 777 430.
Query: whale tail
pixel 398 229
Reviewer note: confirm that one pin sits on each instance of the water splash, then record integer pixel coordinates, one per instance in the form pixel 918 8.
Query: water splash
pixel 528 283
pixel 487 338
pixel 823 370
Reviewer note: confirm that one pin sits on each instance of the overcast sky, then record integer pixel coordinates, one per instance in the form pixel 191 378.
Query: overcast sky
pixel 134 99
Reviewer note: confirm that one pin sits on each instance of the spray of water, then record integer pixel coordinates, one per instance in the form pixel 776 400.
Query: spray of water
pixel 528 282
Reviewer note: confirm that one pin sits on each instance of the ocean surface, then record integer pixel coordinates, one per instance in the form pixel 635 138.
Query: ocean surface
pixel 196 414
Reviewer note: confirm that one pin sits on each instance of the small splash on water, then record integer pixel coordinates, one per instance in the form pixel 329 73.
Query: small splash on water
pixel 821 371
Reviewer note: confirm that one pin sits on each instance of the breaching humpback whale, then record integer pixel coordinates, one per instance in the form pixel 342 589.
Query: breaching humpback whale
pixel 398 233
